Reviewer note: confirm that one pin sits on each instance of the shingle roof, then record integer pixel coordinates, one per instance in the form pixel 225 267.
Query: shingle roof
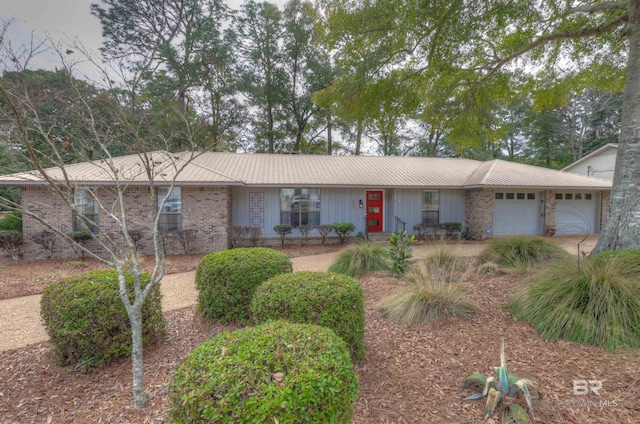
pixel 281 170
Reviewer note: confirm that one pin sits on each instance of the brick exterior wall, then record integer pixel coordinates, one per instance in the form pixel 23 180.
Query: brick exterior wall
pixel 479 213
pixel 205 209
pixel 549 212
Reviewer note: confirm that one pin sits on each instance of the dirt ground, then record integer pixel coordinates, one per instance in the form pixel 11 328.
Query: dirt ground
pixel 409 375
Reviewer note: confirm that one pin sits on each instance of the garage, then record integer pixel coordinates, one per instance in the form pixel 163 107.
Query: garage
pixel 576 213
pixel 517 212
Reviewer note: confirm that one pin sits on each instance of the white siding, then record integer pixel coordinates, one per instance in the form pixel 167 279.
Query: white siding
pixel 407 205
pixel 240 207
pixel 341 204
pixel 602 165
pixel 452 206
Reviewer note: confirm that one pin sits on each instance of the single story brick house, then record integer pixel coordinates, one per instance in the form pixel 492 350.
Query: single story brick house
pixel 219 190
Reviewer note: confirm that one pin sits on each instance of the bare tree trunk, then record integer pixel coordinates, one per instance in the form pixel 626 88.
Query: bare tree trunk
pixel 182 101
pixel 622 228
pixel 358 137
pixel 270 128
pixel 329 130
pixel 137 362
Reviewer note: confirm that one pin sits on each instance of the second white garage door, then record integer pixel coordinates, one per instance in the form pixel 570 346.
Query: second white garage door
pixel 575 213
pixel 517 213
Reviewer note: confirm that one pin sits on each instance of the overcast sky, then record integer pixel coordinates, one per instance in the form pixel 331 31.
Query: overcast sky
pixel 63 20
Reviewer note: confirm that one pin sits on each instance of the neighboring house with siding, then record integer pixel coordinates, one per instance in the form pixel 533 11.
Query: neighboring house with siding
pixel 600 163
pixel 220 190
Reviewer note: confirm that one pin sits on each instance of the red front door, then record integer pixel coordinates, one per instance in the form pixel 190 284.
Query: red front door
pixel 374 211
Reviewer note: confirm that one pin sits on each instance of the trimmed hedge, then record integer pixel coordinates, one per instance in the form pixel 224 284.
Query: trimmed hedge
pixel 11 222
pixel 332 300
pixel 226 281
pixel 343 229
pixel 11 242
pixel 87 322
pixel 277 372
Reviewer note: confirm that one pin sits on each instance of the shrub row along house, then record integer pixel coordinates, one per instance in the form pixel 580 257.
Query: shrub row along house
pixel 219 190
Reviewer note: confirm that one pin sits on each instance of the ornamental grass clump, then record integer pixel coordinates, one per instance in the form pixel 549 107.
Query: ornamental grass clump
pixel 87 322
pixel 444 261
pixel 428 293
pixel 596 301
pixel 363 258
pixel 520 253
pixel 277 372
pixel 226 281
pixel 334 301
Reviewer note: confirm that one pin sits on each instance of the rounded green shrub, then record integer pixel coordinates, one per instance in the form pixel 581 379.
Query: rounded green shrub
pixel 596 301
pixel 87 322
pixel 11 222
pixel 521 252
pixel 332 300
pixel 226 281
pixel 276 372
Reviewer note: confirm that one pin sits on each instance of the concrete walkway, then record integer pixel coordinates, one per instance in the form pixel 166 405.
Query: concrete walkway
pixel 21 326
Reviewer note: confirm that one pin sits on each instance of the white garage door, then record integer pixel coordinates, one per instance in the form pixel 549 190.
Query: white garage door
pixel 517 213
pixel 575 213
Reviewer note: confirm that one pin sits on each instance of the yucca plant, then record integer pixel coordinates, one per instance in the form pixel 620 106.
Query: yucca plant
pixel 363 258
pixel 501 390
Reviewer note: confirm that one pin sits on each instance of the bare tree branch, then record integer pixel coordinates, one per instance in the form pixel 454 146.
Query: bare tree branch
pixel 567 35
pixel 600 7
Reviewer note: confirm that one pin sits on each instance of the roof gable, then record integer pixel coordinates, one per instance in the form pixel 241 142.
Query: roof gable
pixel 591 155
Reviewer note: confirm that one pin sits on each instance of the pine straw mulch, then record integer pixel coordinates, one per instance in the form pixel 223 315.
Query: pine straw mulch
pixel 26 278
pixel 409 375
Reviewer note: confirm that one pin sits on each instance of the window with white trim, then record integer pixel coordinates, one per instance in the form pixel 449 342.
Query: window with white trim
pixel 300 206
pixel 574 196
pixel 86 214
pixel 514 196
pixel 430 207
pixel 171 211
